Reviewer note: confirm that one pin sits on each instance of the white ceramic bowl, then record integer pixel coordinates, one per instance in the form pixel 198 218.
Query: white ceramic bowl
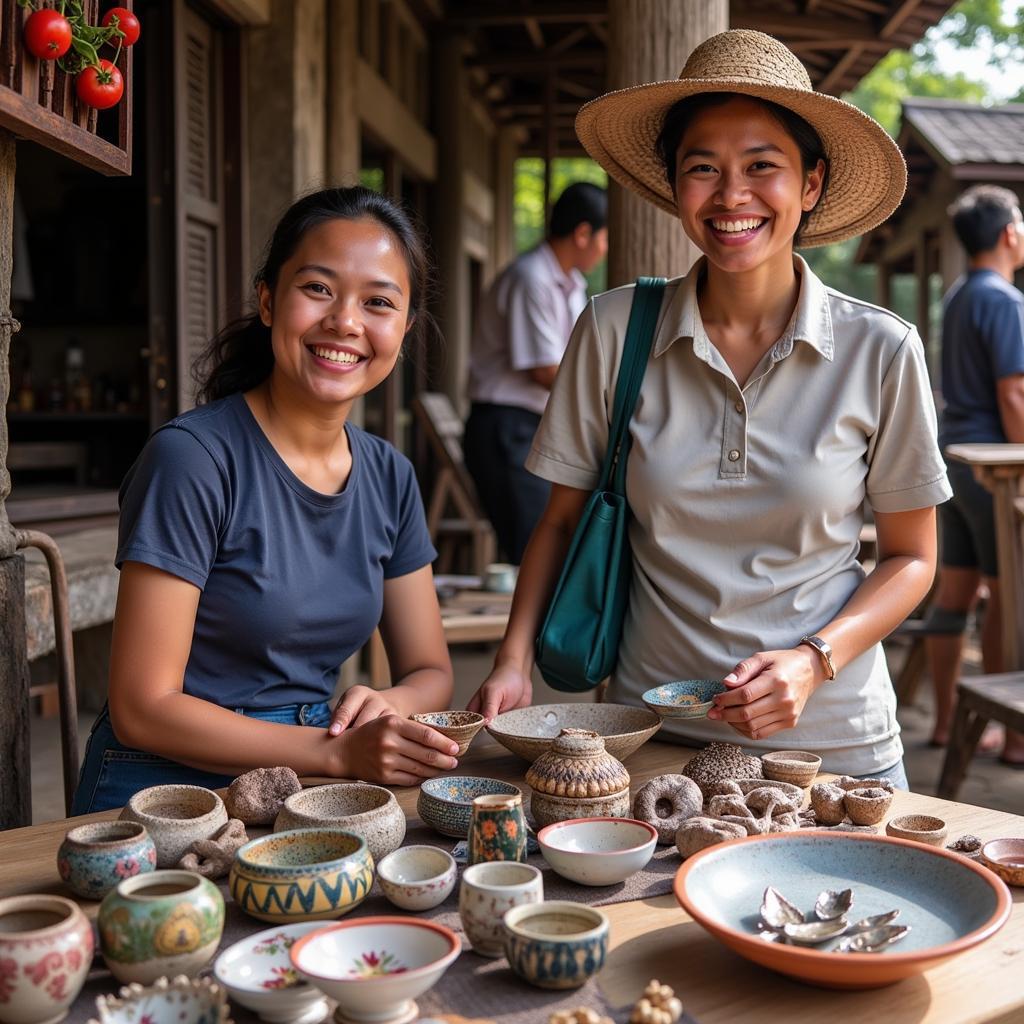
pixel 258 975
pixel 374 967
pixel 598 851
pixel 417 877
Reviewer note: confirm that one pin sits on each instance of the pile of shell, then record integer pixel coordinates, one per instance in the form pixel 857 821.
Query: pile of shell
pixel 861 801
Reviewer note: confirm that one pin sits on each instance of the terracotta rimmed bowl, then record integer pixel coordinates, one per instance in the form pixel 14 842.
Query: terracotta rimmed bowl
pixel 529 732
pixel 175 817
pixel 358 807
pixel 417 877
pixel 684 698
pixel 598 851
pixel 556 944
pixel 374 967
pixel 797 767
pixel 446 803
pixel 459 726
pixel 950 903
pixel 921 828
pixel 1006 858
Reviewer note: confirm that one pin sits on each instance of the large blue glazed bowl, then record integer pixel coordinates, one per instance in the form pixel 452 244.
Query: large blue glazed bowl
pixel 949 903
pixel 685 698
pixel 446 803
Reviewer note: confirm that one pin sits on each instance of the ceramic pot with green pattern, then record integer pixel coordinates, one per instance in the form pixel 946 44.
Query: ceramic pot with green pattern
pixel 305 874
pixel 497 829
pixel 161 924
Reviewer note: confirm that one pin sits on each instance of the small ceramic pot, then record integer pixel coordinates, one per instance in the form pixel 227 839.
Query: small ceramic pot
pixel 598 851
pixel 867 806
pixel 459 726
pixel 46 949
pixel 417 877
pixel 357 807
pixel 497 829
pixel 797 767
pixel 161 924
pixel 487 892
pixel 556 945
pixel 922 828
pixel 446 803
pixel 181 1001
pixel 175 817
pixel 94 858
pixel 1006 858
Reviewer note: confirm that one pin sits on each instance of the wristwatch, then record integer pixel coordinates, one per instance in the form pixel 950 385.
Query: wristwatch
pixel 824 652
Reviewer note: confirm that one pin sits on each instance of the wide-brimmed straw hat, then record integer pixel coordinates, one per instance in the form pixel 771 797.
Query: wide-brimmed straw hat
pixel 867 173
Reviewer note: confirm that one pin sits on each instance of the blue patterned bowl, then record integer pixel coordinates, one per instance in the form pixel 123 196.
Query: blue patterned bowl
pixel 446 803
pixel 307 874
pixel 94 858
pixel 557 944
pixel 949 903
pixel 687 698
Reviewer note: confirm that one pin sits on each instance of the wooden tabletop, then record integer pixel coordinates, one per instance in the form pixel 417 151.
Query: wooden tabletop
pixel 655 938
pixel 987 454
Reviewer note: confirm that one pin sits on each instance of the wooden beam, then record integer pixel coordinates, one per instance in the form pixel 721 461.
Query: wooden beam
pixel 533 31
pixel 795 26
pixel 568 41
pixel 898 16
pixel 525 63
pixel 470 14
pixel 576 89
pixel 836 74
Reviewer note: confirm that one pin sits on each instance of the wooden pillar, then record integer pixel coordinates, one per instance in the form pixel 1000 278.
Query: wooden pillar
pixel 506 149
pixel 922 271
pixel 649 40
pixel 883 285
pixel 343 139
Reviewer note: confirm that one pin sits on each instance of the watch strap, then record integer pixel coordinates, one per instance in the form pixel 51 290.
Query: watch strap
pixel 824 650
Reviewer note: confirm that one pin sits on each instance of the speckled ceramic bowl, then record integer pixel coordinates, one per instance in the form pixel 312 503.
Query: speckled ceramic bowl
pixel 529 732
pixel 1005 857
pixel 949 903
pixel 302 875
pixel 798 767
pixel 94 858
pixel 417 877
pixel 175 817
pixel 556 944
pixel 686 698
pixel 368 811
pixel 460 726
pixel 921 828
pixel 446 803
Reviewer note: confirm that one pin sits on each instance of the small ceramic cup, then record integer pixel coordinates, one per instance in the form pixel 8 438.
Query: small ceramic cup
pixel 1005 857
pixel 459 726
pixel 487 892
pixel 556 945
pixel 417 877
pixel 497 829
pixel 797 767
pixel 175 817
pixel 94 858
pixel 922 828
pixel 46 949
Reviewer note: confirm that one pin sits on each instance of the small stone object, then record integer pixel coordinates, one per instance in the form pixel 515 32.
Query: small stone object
pixel 697 833
pixel 666 802
pixel 730 803
pixel 727 787
pixel 771 801
pixel 751 826
pixel 848 782
pixel 967 846
pixel 719 762
pixel 828 801
pixel 867 806
pixel 212 858
pixel 256 797
pixel 658 1005
pixel 581 1015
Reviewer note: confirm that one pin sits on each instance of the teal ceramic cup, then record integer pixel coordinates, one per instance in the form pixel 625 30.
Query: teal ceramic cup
pixel 556 945
pixel 94 858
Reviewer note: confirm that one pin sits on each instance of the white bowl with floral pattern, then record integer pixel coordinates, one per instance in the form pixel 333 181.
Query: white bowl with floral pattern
pixel 417 877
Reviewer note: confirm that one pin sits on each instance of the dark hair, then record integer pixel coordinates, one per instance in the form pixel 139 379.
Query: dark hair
pixel 679 116
pixel 579 203
pixel 979 215
pixel 240 357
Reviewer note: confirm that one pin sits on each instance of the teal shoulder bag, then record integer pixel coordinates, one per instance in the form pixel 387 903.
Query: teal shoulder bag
pixel 579 640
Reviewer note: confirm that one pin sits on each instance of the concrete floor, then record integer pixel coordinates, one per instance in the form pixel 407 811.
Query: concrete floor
pixel 988 783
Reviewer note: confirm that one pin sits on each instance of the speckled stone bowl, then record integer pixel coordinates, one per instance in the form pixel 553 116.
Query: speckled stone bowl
pixel 921 828
pixel 529 732
pixel 798 767
pixel 94 858
pixel 175 817
pixel 868 805
pixel 446 803
pixel 685 698
pixel 949 903
pixel 460 726
pixel 368 811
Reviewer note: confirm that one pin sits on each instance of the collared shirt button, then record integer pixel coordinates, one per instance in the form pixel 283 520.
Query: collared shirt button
pixel 734 455
pixel 739 407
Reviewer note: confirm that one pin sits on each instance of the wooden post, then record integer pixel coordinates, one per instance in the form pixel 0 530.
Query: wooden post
pixel 649 40
pixel 343 140
pixel 506 149
pixel 883 285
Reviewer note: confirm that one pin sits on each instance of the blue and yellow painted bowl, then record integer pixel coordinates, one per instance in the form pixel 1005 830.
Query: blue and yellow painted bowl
pixel 446 803
pixel 556 944
pixel 686 698
pixel 306 874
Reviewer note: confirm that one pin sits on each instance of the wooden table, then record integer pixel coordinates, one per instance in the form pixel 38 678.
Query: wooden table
pixel 654 938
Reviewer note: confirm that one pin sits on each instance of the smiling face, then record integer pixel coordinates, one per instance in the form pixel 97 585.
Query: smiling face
pixel 339 312
pixel 740 186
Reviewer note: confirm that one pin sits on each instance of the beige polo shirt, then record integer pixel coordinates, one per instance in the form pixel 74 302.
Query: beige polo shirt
pixel 748 503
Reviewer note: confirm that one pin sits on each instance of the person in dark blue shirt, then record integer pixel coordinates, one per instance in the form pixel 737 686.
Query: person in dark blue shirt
pixel 263 537
pixel 983 388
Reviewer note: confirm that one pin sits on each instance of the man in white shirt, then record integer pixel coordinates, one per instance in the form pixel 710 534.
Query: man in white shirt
pixel 522 329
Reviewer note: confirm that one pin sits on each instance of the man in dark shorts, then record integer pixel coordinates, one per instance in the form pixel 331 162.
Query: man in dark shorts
pixel 983 387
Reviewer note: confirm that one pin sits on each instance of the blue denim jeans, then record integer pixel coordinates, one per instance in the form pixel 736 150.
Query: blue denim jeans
pixel 112 773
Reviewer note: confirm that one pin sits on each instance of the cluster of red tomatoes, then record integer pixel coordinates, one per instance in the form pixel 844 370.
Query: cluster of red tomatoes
pixel 49 35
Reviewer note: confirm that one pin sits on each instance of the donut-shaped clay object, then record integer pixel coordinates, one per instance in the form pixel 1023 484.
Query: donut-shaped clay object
pixel 666 802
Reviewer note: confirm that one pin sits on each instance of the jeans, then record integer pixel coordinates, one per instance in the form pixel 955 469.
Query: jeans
pixel 896 774
pixel 112 773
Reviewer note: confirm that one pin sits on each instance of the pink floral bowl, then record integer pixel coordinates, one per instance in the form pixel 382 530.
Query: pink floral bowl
pixel 94 858
pixel 417 877
pixel 374 967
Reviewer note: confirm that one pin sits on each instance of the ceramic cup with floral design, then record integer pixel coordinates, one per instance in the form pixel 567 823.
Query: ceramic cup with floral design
pixel 487 892
pixel 163 923
pixel 497 829
pixel 94 858
pixel 46 949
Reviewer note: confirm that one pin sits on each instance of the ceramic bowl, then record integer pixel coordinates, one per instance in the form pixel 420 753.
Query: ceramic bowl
pixel 182 1001
pixel 556 944
pixel 94 858
pixel 1006 858
pixel 486 892
pixel 686 698
pixel 797 767
pixel 460 726
pixel 368 811
pixel 949 903
pixel 374 967
pixel 417 877
pixel 446 803
pixel 175 817
pixel 46 949
pixel 598 851
pixel 311 874
pixel 258 974
pixel 529 732
pixel 921 828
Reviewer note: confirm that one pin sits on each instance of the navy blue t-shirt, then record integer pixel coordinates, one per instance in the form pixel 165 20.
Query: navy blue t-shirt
pixel 291 579
pixel 982 342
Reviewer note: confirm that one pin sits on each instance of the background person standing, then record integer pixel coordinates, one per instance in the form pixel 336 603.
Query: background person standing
pixel 520 336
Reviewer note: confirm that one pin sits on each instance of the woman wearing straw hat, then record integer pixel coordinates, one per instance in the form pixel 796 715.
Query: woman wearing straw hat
pixel 771 408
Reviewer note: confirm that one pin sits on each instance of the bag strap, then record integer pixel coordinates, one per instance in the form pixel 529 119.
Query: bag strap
pixel 643 318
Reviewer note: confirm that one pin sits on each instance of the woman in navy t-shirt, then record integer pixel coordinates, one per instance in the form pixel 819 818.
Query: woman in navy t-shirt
pixel 263 537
